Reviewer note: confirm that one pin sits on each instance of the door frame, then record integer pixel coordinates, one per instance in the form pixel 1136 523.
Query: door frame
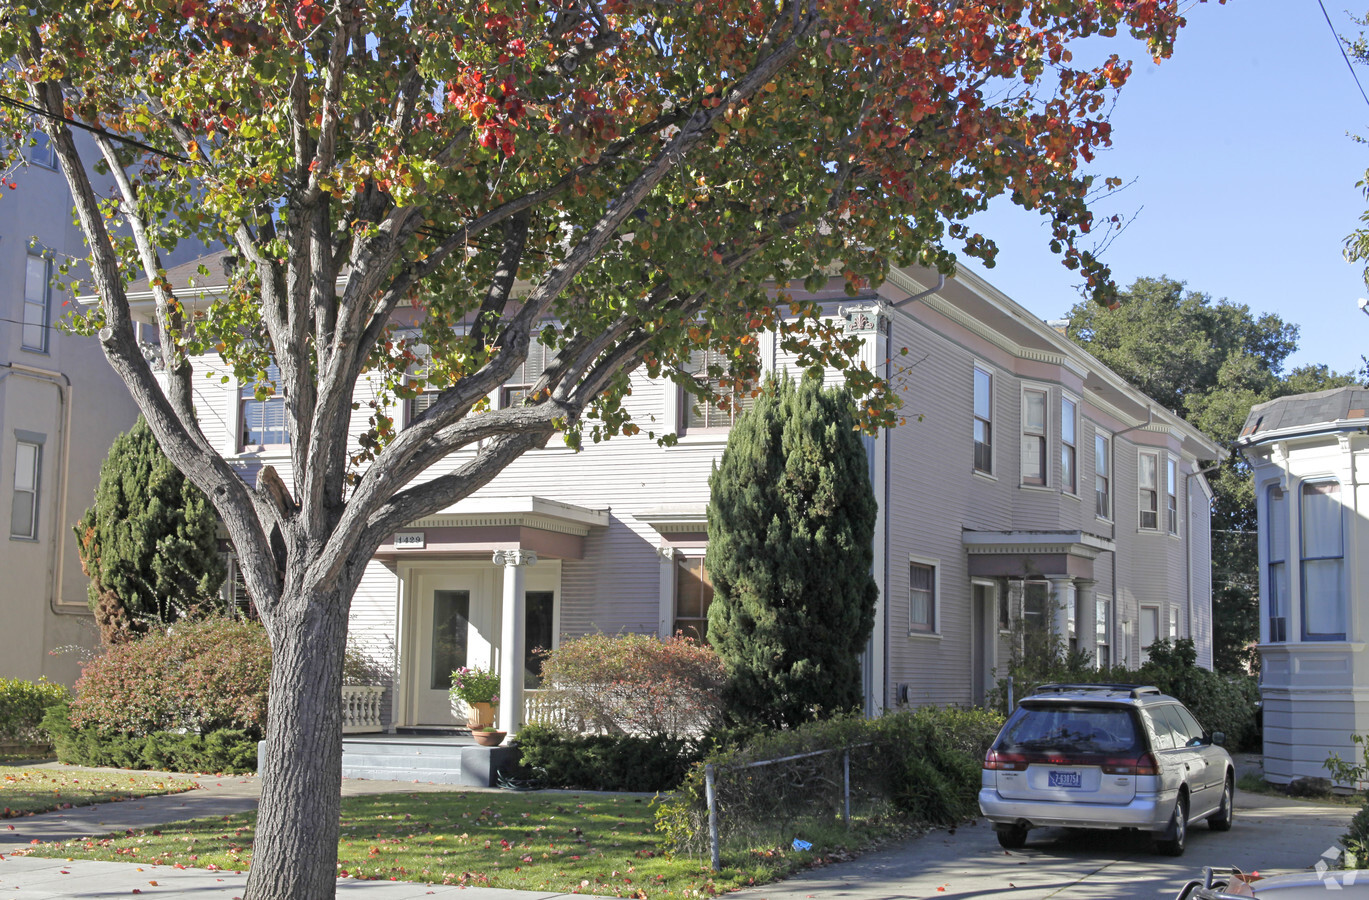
pixel 984 639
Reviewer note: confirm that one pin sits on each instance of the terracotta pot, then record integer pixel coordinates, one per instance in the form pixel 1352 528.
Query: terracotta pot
pixel 478 715
pixel 488 738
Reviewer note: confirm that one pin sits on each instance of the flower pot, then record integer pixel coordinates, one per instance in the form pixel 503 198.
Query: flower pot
pixel 479 715
pixel 488 738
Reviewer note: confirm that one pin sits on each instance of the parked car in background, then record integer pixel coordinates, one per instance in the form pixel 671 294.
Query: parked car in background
pixel 1224 884
pixel 1119 756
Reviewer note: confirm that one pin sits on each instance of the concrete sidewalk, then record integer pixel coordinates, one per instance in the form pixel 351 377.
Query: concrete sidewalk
pixel 31 878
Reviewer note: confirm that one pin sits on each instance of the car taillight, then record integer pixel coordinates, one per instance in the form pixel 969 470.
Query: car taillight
pixel 1145 764
pixel 1005 762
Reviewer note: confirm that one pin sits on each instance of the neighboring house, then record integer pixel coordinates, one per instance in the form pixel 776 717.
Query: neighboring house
pixel 1030 483
pixel 1309 454
pixel 61 406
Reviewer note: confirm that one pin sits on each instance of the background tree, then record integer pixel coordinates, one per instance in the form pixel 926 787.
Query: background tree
pixel 1209 361
pixel 635 173
pixel 791 527
pixel 149 544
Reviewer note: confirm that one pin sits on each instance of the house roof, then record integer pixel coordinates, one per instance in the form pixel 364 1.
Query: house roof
pixel 187 276
pixel 1336 409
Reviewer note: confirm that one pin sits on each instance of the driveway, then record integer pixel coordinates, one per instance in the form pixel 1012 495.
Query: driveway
pixel 1271 835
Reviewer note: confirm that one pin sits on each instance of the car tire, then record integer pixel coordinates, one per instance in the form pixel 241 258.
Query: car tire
pixel 1177 831
pixel 1012 837
pixel 1226 813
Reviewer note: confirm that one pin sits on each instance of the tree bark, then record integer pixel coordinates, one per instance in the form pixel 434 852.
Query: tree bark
pixel 294 856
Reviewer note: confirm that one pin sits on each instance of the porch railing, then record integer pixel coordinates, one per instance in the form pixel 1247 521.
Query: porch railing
pixel 540 709
pixel 361 708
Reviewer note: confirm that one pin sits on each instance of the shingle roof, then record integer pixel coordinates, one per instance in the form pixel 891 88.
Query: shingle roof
pixel 188 275
pixel 1306 411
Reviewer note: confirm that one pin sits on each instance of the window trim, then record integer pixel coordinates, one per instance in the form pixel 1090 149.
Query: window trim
pixel 1141 510
pixel 978 369
pixel 934 631
pixel 50 162
pixel 35 441
pixel 1043 436
pixel 244 446
pixel 1071 446
pixel 1274 600
pixel 1303 559
pixel 45 305
pixel 1172 495
pixel 1102 437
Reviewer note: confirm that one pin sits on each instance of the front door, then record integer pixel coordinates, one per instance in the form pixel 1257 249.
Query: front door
pixel 449 607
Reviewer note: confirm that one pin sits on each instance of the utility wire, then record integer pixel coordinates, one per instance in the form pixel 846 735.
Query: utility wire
pixel 38 111
pixel 1343 54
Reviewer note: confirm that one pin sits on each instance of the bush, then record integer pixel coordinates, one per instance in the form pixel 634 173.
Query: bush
pixel 22 705
pixel 636 684
pixel 1223 703
pixel 227 750
pixel 605 762
pixel 201 677
pixel 923 765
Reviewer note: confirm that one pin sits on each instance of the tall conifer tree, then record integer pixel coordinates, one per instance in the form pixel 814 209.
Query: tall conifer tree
pixel 790 545
pixel 149 544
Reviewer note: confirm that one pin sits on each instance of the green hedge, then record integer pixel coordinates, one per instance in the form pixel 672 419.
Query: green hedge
pixel 604 762
pixel 229 750
pixel 923 765
pixel 22 705
pixel 1223 703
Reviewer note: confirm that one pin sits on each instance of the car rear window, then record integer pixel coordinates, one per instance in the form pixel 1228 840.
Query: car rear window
pixel 1070 729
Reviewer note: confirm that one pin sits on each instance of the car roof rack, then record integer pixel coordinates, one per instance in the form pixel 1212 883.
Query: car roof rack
pixel 1134 690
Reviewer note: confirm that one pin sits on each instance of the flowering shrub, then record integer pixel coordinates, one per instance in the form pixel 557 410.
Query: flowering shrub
pixel 476 685
pixel 636 684
pixel 22 704
pixel 199 676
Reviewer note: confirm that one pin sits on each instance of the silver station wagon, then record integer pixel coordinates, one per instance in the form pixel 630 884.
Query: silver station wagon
pixel 1106 756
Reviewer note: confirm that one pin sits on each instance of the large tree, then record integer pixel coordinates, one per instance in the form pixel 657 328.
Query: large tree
pixel 1209 361
pixel 791 529
pixel 634 172
pixel 149 543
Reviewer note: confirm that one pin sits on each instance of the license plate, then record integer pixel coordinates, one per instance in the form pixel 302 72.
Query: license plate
pixel 1064 780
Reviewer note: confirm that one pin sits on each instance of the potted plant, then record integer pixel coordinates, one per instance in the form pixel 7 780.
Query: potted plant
pixel 487 736
pixel 479 690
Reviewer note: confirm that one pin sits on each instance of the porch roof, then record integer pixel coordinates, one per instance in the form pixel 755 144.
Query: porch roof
pixel 1025 554
pixel 477 526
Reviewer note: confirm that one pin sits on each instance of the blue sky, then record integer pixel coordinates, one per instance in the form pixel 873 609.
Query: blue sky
pixel 1244 176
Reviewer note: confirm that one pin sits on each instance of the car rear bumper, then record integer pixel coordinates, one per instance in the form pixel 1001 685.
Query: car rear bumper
pixel 1146 812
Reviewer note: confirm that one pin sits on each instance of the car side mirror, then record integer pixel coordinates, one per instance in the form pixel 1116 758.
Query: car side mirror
pixel 1219 738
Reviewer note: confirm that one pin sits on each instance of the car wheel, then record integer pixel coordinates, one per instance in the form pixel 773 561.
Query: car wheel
pixel 1178 829
pixel 1222 818
pixel 1012 837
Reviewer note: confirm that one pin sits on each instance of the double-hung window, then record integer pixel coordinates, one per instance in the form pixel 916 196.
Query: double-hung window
pixel 1172 502
pixel 520 384
pixel 921 598
pixel 1102 635
pixel 1033 437
pixel 983 421
pixel 1323 571
pixel 42 153
pixel 24 503
pixel 37 302
pixel 711 366
pixel 263 415
pixel 1102 486
pixel 1069 454
pixel 1276 517
pixel 1147 489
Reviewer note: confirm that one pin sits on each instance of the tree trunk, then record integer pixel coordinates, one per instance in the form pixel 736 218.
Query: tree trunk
pixel 294 855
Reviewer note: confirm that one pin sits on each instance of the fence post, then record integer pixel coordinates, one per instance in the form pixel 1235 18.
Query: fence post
pixel 846 786
pixel 712 794
pixel 1010 695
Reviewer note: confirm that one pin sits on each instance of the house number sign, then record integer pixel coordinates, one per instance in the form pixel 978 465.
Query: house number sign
pixel 409 540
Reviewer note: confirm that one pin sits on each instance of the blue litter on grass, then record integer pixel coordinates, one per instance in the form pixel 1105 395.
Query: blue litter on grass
pixel 802 845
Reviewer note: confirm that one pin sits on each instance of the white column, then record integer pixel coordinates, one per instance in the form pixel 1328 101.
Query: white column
pixel 1086 626
pixel 1062 602
pixel 512 637
pixel 665 614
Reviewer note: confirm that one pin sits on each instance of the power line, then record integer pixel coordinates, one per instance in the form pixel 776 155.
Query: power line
pixel 1341 44
pixel 38 111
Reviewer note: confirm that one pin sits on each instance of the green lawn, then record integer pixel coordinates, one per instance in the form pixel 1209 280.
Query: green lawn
pixel 586 843
pixel 24 791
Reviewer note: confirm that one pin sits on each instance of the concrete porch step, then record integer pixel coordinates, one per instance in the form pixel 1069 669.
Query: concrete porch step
pixel 438 758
